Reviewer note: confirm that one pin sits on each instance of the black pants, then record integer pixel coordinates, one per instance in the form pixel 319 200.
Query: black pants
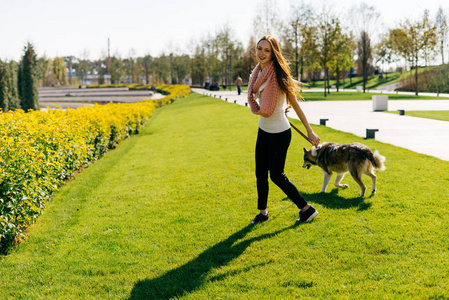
pixel 271 152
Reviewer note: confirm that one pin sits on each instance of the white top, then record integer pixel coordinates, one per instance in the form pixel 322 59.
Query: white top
pixel 278 121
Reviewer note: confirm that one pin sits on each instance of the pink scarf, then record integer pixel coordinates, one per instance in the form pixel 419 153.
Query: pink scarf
pixel 269 95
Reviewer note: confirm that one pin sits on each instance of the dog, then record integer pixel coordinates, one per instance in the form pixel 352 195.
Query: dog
pixel 355 158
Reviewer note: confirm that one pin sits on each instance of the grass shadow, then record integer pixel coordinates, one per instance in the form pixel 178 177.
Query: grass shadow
pixel 192 275
pixel 333 201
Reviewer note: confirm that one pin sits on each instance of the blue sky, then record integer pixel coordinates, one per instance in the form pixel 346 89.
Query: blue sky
pixel 60 28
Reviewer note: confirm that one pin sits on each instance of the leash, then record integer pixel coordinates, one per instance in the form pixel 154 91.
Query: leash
pixel 297 130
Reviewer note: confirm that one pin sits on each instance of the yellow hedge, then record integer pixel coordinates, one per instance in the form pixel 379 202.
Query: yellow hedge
pixel 38 150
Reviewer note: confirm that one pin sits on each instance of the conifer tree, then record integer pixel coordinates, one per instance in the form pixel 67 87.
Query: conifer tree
pixel 14 102
pixel 27 80
pixel 4 86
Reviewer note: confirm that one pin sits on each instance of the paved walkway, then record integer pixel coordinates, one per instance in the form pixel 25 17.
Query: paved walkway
pixel 421 135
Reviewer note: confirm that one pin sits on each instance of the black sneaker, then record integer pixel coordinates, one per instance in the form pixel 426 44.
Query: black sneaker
pixel 260 218
pixel 308 215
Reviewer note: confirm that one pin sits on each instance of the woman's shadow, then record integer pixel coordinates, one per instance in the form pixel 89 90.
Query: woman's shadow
pixel 193 274
pixel 332 200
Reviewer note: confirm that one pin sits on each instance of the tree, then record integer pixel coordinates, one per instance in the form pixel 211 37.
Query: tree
pixel 4 86
pixel 207 44
pixel 416 40
pixel 27 83
pixel 301 17
pixel 228 52
pixel 309 53
pixel 145 63
pixel 365 57
pixel 130 65
pixel 249 60
pixel 44 72
pixel 70 60
pixel 198 66
pixel 400 43
pixel 117 69
pixel 328 29
pixel 83 66
pixel 162 69
pixel 363 20
pixel 343 56
pixel 179 66
pixel 100 67
pixel 267 20
pixel 383 52
pixel 14 102
pixel 59 70
pixel 442 31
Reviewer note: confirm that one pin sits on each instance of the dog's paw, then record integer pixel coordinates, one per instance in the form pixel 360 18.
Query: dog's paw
pixel 344 186
pixel 373 191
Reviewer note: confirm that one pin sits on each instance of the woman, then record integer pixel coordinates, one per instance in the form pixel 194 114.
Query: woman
pixel 272 83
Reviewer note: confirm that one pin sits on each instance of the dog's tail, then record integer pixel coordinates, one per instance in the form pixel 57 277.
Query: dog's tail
pixel 378 161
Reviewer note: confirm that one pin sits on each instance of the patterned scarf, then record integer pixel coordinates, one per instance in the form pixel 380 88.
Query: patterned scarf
pixel 270 94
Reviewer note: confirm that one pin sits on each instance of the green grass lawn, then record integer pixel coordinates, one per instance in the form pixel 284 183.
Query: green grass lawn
pixel 344 96
pixel 428 114
pixel 167 215
pixel 373 81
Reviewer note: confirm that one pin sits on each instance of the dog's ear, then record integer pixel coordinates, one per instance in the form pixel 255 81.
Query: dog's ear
pixel 305 150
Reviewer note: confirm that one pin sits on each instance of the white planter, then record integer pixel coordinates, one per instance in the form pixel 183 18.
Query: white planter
pixel 380 103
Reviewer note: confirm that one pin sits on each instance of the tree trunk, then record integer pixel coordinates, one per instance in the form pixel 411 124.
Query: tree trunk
pixel 325 82
pixel 296 55
pixel 416 77
pixel 338 79
pixel 364 76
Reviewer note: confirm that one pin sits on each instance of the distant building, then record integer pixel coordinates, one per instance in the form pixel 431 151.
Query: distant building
pixel 95 79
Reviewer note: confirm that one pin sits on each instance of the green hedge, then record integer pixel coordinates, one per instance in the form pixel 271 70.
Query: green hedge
pixel 38 150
